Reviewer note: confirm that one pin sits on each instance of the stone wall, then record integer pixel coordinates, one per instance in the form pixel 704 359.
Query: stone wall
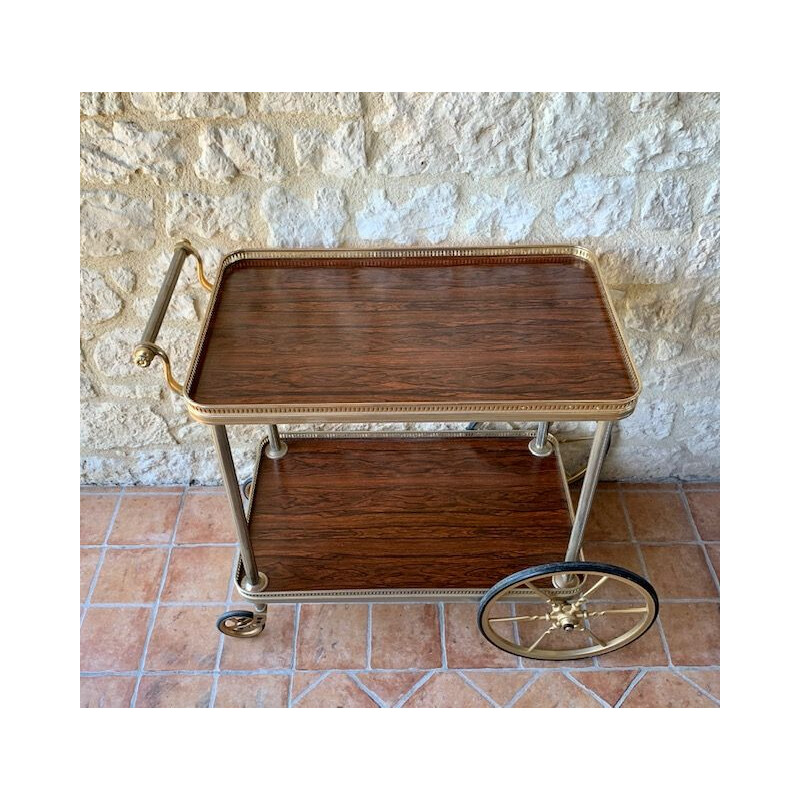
pixel 633 176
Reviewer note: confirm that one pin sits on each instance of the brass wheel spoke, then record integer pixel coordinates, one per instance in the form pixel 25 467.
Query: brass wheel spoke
pixel 533 646
pixel 597 585
pixel 594 636
pixel 641 610
pixel 514 619
pixel 537 591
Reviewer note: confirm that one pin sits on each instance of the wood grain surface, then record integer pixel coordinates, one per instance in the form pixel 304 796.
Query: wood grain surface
pixel 338 514
pixel 489 329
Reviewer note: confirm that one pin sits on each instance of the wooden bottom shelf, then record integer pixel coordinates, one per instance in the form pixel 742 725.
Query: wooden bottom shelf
pixel 366 514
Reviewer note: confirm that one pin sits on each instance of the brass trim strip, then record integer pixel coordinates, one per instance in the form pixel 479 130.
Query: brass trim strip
pixel 512 410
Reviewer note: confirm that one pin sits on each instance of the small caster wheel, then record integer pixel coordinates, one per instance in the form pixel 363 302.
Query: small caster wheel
pixel 241 624
pixel 567 610
pixel 247 488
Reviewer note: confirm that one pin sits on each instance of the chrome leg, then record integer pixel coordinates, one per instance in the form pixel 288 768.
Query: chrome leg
pixel 254 580
pixel 277 448
pixel 540 446
pixel 602 435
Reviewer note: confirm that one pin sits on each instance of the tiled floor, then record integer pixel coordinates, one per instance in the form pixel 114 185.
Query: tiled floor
pixel 157 570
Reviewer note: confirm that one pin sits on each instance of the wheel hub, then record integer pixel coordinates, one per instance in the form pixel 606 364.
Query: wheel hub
pixel 567 616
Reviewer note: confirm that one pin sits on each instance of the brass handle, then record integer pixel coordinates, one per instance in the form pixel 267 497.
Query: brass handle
pixel 147 349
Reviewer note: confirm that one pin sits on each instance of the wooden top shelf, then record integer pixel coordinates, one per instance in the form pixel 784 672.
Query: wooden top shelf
pixel 444 513
pixel 329 336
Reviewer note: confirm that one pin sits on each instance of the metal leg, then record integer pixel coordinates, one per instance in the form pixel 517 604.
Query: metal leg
pixel 540 446
pixel 277 448
pixel 254 580
pixel 602 436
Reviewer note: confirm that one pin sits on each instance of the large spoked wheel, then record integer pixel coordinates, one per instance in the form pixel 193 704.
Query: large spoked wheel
pixel 567 610
pixel 241 624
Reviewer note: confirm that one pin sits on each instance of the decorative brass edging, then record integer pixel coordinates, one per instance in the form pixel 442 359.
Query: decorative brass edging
pixel 384 595
pixel 513 410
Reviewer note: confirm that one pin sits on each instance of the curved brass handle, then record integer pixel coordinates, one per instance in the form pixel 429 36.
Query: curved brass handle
pixel 147 349
pixel 143 355
pixel 201 277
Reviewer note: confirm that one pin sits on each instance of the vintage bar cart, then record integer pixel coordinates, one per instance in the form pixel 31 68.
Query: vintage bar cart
pixel 524 334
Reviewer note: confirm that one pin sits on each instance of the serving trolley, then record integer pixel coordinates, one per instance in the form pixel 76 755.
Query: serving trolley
pixel 460 335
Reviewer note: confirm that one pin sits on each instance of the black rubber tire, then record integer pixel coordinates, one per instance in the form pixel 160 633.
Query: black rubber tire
pixel 564 566
pixel 231 615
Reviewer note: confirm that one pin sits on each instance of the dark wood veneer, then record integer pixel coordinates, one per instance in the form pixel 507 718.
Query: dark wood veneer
pixel 350 514
pixel 487 329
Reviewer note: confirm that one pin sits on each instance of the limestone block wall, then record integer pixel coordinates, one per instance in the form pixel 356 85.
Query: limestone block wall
pixel 633 176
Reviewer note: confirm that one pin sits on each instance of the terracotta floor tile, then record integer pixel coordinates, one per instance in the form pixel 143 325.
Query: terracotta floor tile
pixel 691 486
pixel 616 555
pixel 271 649
pixel 336 691
pixel 405 636
pixel 100 489
pixel 198 575
pixel 302 680
pixel 130 576
pixel 679 571
pixel 708 679
pixel 465 645
pixel 553 690
pixel 145 519
pixel 389 686
pixel 657 486
pixel 252 691
pixel 659 517
pixel 665 690
pixel 713 554
pixel 206 518
pixel 107 691
pixel 174 691
pixel 332 636
pixel 89 559
pixel 206 490
pixel 705 512
pixel 96 512
pixel 607 521
pixel 184 637
pixel 646 651
pixel 112 639
pixel 692 631
pixel 609 684
pixel 446 690
pixel 500 686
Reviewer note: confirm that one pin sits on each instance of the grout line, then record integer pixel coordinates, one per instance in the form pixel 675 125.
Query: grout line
pixel 369 635
pixel 366 690
pixel 413 690
pixel 478 689
pixel 482 670
pixel 101 560
pixel 696 686
pixel 157 546
pixel 524 688
pixel 700 540
pixel 218 660
pixel 293 665
pixel 586 689
pixel 624 696
pixel 442 635
pixel 312 685
pixel 642 563
pixel 154 612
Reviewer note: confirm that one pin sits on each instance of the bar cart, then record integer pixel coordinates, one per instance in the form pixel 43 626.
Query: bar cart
pixel 470 335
